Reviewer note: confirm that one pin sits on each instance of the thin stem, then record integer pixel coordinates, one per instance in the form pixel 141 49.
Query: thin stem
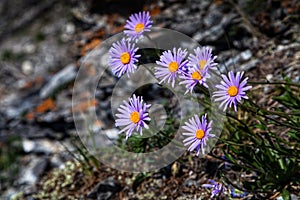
pixel 282 114
pixel 274 83
pixel 154 44
pixel 270 118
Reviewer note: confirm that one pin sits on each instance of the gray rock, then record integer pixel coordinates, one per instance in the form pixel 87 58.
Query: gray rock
pixel 190 183
pixel 28 145
pixel 27 67
pixel 215 32
pixel 42 146
pixel 105 189
pixel 249 65
pixel 294 197
pixel 31 173
pixel 112 134
pixel 188 28
pixel 236 60
pixel 61 78
pixel 213 17
pixel 246 55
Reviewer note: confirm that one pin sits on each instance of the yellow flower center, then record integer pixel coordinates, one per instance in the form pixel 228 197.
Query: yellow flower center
pixel 125 57
pixel 196 75
pixel 200 134
pixel 135 117
pixel 232 91
pixel 202 63
pixel 139 27
pixel 173 66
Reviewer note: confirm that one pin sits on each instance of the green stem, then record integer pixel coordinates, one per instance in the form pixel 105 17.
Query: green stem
pixel 273 83
pixel 256 112
pixel 154 44
pixel 281 114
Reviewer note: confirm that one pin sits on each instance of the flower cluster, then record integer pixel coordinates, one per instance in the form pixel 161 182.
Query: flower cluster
pixel 123 57
pixel 174 66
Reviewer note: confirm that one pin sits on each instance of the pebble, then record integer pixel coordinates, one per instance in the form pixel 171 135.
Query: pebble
pixel 215 32
pixel 27 67
pixel 30 174
pixel 112 134
pixel 105 189
pixel 42 146
pixel 64 76
pixel 240 58
pixel 28 145
pixel 70 28
pixel 29 48
pixel 246 55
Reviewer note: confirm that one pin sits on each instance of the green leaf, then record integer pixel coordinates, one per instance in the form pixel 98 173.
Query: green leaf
pixel 285 195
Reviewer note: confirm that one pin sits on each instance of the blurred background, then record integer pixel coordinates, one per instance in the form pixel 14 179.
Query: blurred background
pixel 42 44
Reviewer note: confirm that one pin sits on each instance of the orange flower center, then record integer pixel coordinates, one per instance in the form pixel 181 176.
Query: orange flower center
pixel 202 63
pixel 135 117
pixel 139 27
pixel 196 75
pixel 173 66
pixel 125 57
pixel 200 134
pixel 232 91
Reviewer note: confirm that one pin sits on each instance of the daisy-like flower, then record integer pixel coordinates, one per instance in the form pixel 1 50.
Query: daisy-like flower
pixel 202 59
pixel 231 90
pixel 218 188
pixel 137 24
pixel 194 77
pixel 171 64
pixel 133 115
pixel 123 57
pixel 198 133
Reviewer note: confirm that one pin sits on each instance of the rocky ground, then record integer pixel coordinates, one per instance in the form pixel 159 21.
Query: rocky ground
pixel 42 45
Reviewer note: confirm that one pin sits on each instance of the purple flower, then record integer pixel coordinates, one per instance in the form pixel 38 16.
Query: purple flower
pixel 123 57
pixel 231 90
pixel 218 188
pixel 170 65
pixel 198 132
pixel 137 24
pixel 193 77
pixel 133 115
pixel 203 59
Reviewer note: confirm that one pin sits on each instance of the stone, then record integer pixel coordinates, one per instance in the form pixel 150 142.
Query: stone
pixel 30 174
pixel 27 67
pixel 249 65
pixel 112 134
pixel 63 77
pixel 28 145
pixel 246 55
pixel 190 183
pixel 215 32
pixel 104 190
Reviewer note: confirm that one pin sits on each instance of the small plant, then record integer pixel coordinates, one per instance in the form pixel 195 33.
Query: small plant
pixel 252 144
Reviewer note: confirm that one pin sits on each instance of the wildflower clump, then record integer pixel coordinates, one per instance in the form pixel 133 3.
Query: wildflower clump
pixel 174 66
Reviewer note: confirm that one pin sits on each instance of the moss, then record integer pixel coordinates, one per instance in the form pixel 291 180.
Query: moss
pixel 39 37
pixel 59 181
pixel 9 154
pixel 8 55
